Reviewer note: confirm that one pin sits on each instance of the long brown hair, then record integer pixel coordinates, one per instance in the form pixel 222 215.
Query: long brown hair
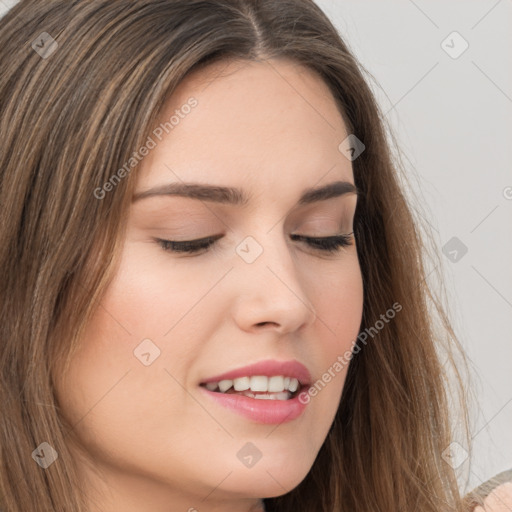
pixel 81 87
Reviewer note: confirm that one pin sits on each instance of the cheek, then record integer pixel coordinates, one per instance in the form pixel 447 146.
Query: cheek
pixel 338 300
pixel 114 401
pixel 152 295
pixel 149 307
pixel 337 296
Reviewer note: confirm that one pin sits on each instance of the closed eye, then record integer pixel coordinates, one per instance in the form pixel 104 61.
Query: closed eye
pixel 330 244
pixel 327 243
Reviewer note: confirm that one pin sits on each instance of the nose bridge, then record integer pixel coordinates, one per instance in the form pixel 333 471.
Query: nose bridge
pixel 272 288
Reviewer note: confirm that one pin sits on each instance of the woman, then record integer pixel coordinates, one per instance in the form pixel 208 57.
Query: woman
pixel 214 295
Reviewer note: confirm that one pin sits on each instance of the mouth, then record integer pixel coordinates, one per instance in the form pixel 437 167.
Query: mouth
pixel 265 392
pixel 259 387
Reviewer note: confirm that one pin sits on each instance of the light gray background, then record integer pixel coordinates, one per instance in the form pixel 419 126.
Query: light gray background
pixel 453 119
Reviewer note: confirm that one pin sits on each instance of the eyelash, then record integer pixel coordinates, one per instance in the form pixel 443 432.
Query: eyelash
pixel 328 244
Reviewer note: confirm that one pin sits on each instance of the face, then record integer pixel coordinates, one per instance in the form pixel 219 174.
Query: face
pixel 259 301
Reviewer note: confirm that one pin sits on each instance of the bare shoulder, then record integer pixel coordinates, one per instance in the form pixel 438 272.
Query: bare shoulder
pixel 495 495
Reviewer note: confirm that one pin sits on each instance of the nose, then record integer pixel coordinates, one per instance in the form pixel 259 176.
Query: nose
pixel 270 292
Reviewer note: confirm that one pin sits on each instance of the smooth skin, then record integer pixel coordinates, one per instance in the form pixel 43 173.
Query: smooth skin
pixel 149 438
pixel 499 500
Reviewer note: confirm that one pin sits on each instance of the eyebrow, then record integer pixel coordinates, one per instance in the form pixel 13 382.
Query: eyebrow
pixel 237 197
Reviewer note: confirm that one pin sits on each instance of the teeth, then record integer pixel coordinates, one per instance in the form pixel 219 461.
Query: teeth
pixel 241 384
pixel 224 385
pixel 294 385
pixel 285 395
pixel 259 383
pixel 276 396
pixel 277 384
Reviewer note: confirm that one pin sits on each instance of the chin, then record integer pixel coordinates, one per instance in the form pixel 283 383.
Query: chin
pixel 267 480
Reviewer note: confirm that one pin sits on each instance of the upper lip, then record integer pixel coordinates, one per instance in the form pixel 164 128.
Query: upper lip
pixel 267 368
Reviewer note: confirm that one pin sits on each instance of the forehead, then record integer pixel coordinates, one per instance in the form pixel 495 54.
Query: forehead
pixel 253 124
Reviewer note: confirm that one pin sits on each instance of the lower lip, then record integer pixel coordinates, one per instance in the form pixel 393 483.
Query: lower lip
pixel 260 410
